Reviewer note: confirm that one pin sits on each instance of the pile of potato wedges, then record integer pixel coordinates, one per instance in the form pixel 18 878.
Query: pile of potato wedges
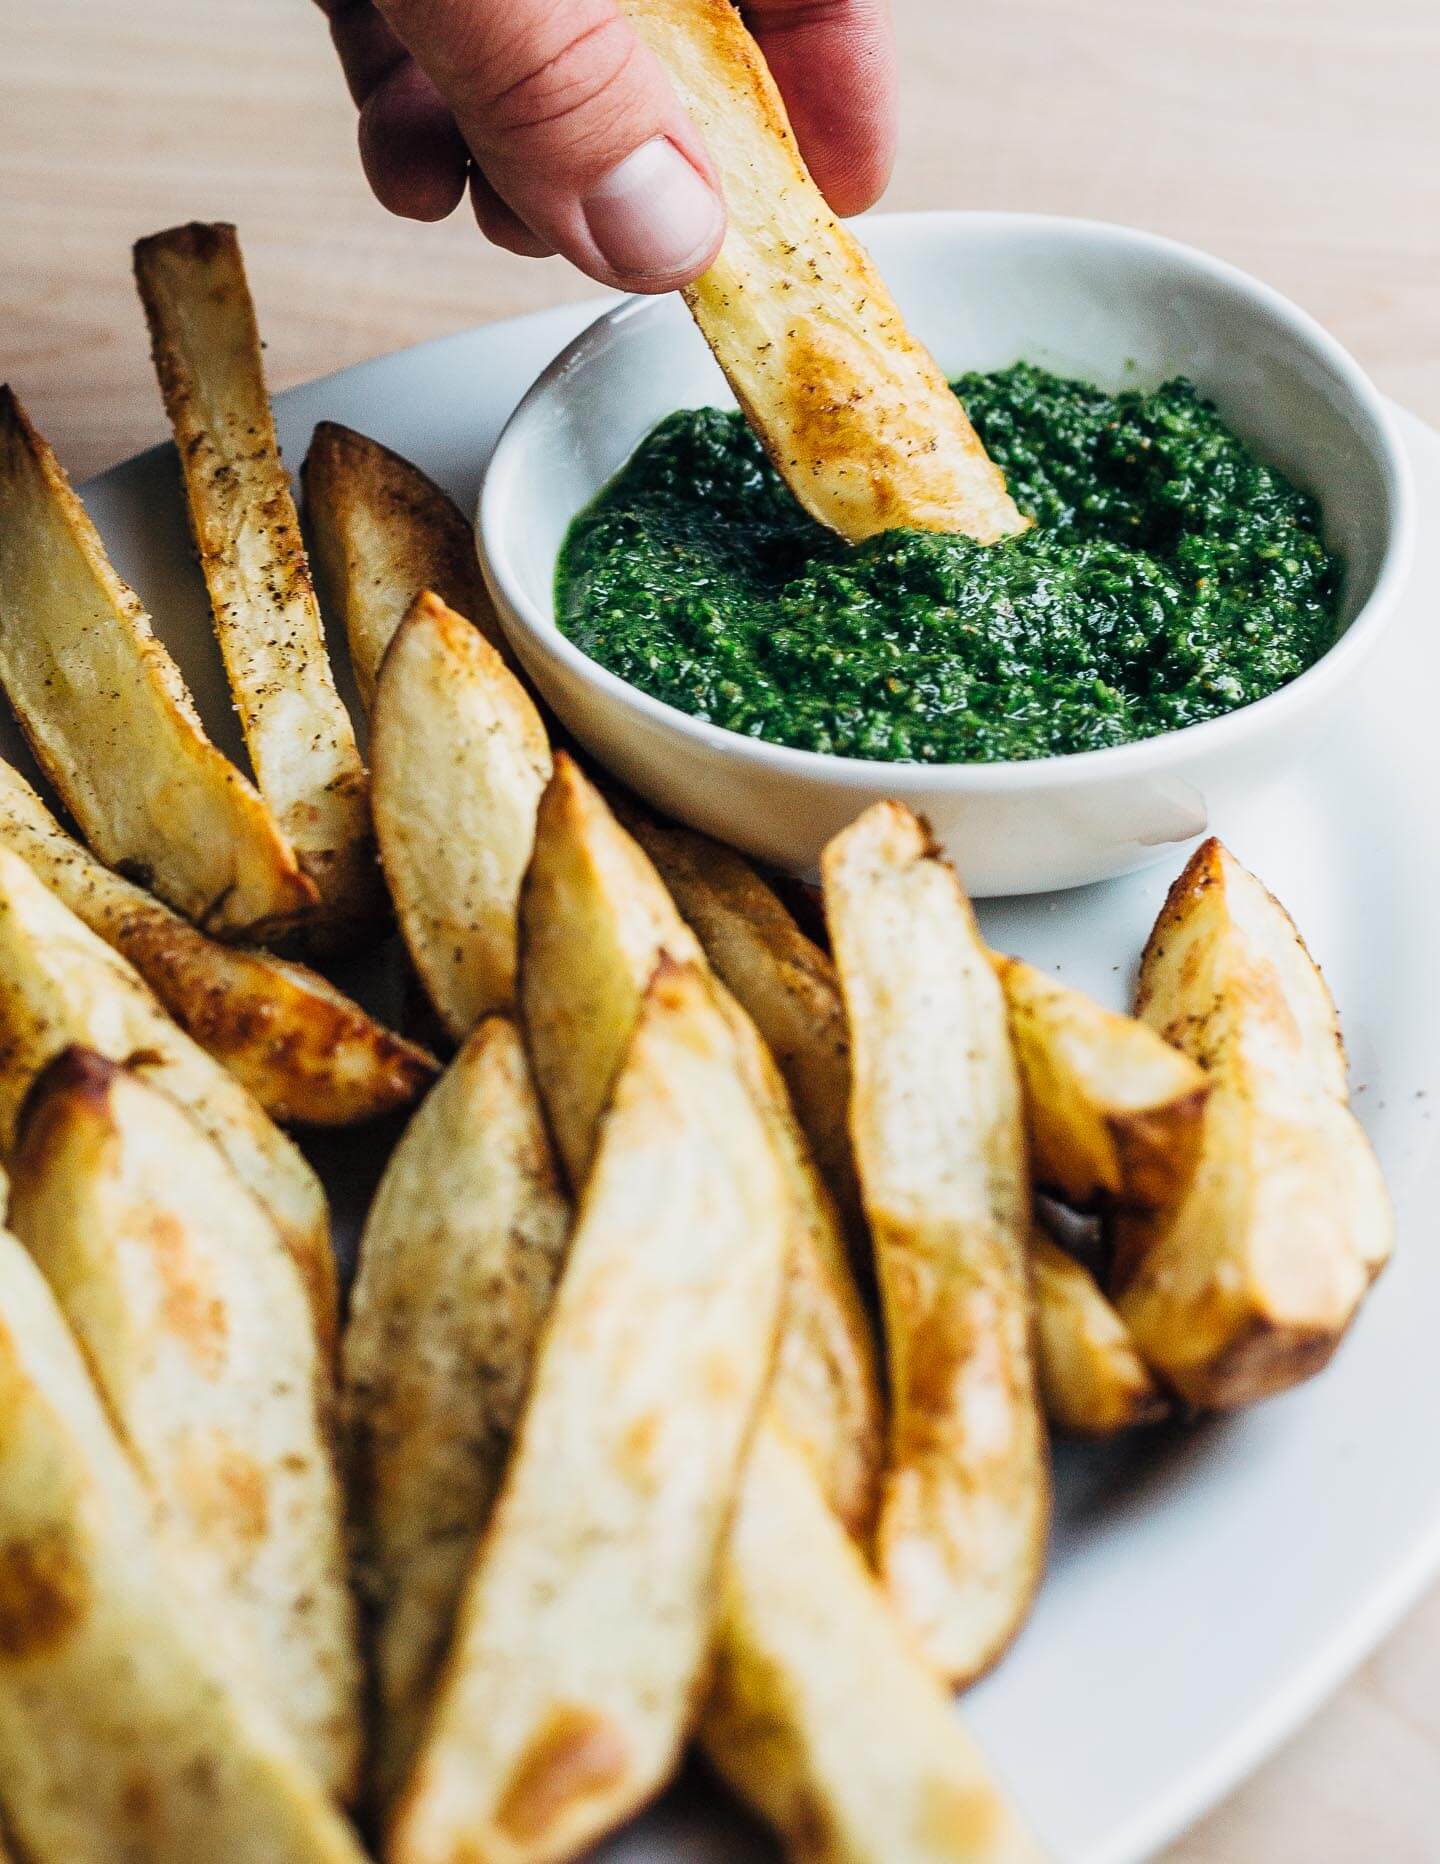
pixel 714 1314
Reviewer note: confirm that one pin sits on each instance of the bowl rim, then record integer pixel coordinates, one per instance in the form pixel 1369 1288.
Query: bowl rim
pixel 1073 768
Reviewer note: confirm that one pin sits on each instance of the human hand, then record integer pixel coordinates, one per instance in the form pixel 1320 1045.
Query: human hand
pixel 568 135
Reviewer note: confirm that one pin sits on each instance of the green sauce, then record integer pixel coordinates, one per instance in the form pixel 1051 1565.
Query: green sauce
pixel 1169 577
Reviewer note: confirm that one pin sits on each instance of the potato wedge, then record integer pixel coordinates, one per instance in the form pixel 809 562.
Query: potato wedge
pixel 462 1251
pixel 936 1119
pixel 460 760
pixel 1093 1383
pixel 1247 1286
pixel 1114 1113
pixel 124 1729
pixel 820 1715
pixel 853 411
pixel 197 1329
pixel 780 978
pixel 61 985
pixel 109 718
pixel 299 735
pixel 595 919
pixel 587 1622
pixel 381 533
pixel 306 1052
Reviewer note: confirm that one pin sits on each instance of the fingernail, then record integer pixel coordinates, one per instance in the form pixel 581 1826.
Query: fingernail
pixel 653 215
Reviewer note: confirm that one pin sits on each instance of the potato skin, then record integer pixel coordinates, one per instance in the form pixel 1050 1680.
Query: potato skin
pixel 382 532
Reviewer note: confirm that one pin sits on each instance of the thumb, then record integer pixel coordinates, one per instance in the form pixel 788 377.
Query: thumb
pixel 573 123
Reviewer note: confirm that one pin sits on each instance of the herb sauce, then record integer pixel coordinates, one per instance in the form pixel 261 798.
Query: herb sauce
pixel 1169 577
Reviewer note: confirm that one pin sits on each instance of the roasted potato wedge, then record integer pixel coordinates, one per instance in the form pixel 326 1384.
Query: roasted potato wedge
pixel 853 411
pixel 197 1328
pixel 125 1729
pixel 1247 1286
pixel 61 985
pixel 780 978
pixel 460 759
pixel 1114 1113
pixel 586 1625
pixel 307 1053
pixel 381 533
pixel 936 1119
pixel 1093 1383
pixel 461 1254
pixel 299 735
pixel 595 919
pixel 110 720
pixel 820 1714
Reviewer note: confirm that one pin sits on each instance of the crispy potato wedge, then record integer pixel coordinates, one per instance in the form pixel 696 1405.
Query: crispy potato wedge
pixel 782 980
pixel 125 1730
pixel 587 1622
pixel 595 919
pixel 109 718
pixel 1093 1383
pixel 1114 1113
pixel 820 1714
pixel 299 735
pixel 306 1052
pixel 460 760
pixel 462 1251
pixel 853 411
pixel 1247 1286
pixel 936 1119
pixel 197 1328
pixel 382 532
pixel 61 985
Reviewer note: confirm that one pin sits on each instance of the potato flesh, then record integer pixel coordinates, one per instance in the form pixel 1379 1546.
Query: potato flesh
pixel 247 534
pixel 302 1048
pixel 820 1714
pixel 462 1250
pixel 383 533
pixel 935 1116
pixel 109 718
pixel 124 1729
pixel 854 412
pixel 61 985
pixel 1092 1381
pixel 595 921
pixel 460 761
pixel 197 1329
pixel 1248 1284
pixel 1114 1113
pixel 585 1629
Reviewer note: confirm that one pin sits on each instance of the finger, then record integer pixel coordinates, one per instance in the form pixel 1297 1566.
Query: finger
pixel 501 225
pixel 367 48
pixel 576 128
pixel 413 155
pixel 834 61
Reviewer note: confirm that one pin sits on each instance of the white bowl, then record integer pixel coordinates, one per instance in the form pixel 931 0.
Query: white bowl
pixel 1120 308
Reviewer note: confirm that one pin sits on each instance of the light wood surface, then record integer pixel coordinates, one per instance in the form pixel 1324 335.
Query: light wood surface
pixel 1299 138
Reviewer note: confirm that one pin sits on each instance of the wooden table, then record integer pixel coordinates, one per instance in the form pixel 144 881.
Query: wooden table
pixel 1296 137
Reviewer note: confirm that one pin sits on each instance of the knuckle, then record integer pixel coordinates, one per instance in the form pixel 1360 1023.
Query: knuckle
pixel 576 79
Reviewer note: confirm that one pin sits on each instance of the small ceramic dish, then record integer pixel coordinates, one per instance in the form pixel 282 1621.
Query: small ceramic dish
pixel 1120 308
